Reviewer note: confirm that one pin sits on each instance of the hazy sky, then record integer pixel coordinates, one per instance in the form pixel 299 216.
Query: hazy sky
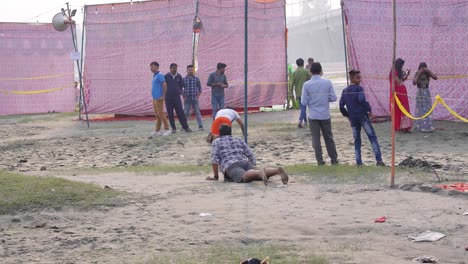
pixel 43 10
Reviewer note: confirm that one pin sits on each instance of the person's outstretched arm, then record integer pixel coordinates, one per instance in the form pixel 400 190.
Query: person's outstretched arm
pixel 241 124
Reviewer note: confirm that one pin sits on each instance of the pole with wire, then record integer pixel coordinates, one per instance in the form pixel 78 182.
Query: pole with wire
pixel 392 174
pixel 75 46
pixel 82 54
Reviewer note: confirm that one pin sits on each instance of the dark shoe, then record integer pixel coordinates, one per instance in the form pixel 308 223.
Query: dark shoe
pixel 201 129
pixel 335 162
pixel 300 125
pixel 360 164
pixel 188 130
pixel 174 131
pixel 321 163
pixel 380 164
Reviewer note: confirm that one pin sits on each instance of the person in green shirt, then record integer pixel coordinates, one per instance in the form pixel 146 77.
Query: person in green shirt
pixel 299 77
pixel 291 103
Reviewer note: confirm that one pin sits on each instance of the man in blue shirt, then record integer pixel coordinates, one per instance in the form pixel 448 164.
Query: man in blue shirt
pixel 173 101
pixel 192 91
pixel 218 82
pixel 353 105
pixel 317 94
pixel 158 92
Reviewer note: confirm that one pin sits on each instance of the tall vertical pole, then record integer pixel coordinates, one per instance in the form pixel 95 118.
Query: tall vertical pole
pixel 344 40
pixel 82 49
pixel 75 46
pixel 286 34
pixel 392 179
pixel 246 69
pixel 194 34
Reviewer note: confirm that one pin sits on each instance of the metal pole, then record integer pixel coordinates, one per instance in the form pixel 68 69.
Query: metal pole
pixel 194 34
pixel 73 32
pixel 344 41
pixel 246 69
pixel 82 48
pixel 392 179
pixel 286 34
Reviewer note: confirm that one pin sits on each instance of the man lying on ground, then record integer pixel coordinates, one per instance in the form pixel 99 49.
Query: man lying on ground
pixel 224 117
pixel 237 161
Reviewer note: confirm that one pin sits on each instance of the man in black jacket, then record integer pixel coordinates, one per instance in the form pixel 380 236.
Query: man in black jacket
pixel 173 101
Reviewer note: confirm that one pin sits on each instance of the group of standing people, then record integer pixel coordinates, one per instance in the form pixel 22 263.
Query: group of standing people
pixel 168 89
pixel 421 80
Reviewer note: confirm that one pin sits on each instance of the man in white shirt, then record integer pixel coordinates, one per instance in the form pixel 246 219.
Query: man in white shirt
pixel 317 94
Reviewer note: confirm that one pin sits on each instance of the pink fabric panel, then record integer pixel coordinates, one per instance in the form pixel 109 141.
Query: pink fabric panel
pixel 29 53
pixel 431 31
pixel 222 40
pixel 122 40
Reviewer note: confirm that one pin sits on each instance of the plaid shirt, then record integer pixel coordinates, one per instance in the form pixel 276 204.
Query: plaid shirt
pixel 228 150
pixel 192 86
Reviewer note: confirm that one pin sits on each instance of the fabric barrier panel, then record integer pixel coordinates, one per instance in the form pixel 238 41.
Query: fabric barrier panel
pixel 36 70
pixel 222 40
pixel 122 40
pixel 431 31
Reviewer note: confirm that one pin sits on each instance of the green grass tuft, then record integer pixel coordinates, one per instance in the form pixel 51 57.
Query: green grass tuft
pixel 20 193
pixel 236 254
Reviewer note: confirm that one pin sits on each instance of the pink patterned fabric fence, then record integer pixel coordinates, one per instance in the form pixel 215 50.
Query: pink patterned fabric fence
pixel 36 71
pixel 222 40
pixel 431 31
pixel 122 40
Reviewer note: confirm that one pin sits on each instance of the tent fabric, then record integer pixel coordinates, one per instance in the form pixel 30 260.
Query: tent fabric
pixel 431 31
pixel 122 39
pixel 121 42
pixel 36 71
pixel 222 40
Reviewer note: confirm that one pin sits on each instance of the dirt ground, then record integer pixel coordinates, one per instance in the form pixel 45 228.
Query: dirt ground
pixel 164 213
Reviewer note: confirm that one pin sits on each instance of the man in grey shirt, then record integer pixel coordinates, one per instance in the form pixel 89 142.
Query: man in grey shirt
pixel 317 94
pixel 218 82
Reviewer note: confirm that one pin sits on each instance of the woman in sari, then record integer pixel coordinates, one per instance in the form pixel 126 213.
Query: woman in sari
pixel 402 122
pixel 423 100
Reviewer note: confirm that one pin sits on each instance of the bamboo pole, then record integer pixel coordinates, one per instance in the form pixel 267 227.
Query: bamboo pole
pixel 392 175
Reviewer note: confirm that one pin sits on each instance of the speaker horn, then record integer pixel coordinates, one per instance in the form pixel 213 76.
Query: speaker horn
pixel 60 22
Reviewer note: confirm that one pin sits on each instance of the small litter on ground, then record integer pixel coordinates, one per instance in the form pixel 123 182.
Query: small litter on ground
pixel 428 236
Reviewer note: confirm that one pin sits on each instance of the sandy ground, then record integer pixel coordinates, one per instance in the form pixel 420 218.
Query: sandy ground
pixel 163 214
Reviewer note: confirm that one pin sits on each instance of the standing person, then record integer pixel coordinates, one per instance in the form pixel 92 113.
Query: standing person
pixel 237 161
pixel 224 117
pixel 158 92
pixel 218 82
pixel 309 63
pixel 353 105
pixel 317 94
pixel 173 102
pixel 402 122
pixel 423 99
pixel 299 77
pixel 192 91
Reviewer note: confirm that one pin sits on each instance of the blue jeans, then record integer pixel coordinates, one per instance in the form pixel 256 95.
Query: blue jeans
pixel 303 115
pixel 366 124
pixel 217 103
pixel 188 104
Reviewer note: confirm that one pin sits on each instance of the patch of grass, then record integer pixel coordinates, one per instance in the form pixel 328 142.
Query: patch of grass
pixel 20 193
pixel 236 254
pixel 162 169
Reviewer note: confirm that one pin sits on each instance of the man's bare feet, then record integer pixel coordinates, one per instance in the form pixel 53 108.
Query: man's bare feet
pixel 263 175
pixel 284 175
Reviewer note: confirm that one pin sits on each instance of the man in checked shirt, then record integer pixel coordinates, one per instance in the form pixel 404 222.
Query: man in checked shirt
pixel 192 90
pixel 237 162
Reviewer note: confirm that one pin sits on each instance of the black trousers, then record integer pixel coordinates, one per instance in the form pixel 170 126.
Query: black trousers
pixel 175 103
pixel 324 126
